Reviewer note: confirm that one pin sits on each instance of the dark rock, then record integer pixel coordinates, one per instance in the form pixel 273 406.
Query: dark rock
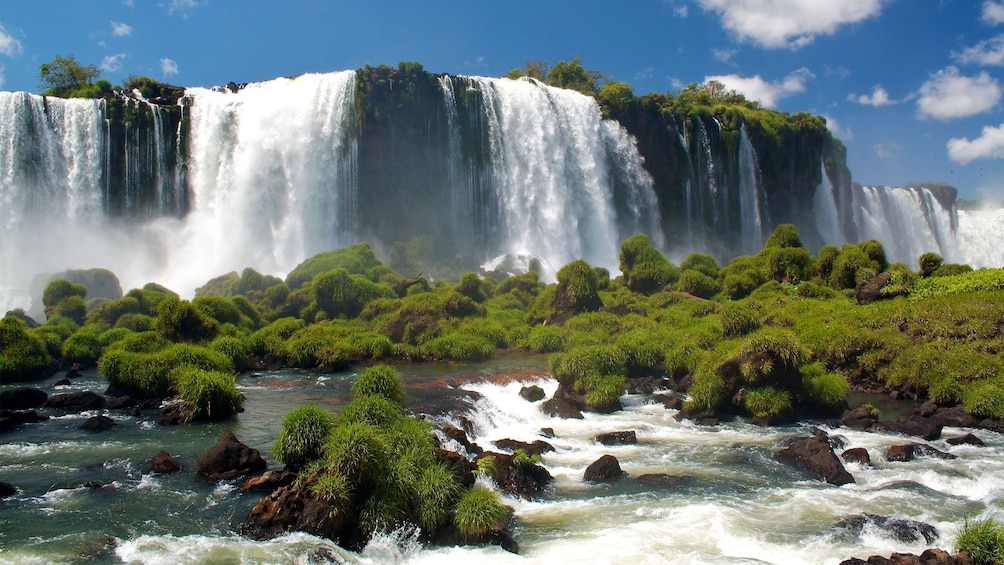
pixel 293 508
pixel 93 485
pixel 462 468
pixel 701 417
pixel 538 447
pixel 663 480
pixel 176 413
pixel 900 529
pixel 872 290
pixel 910 451
pixel 162 464
pixel 525 480
pixel 62 382
pixel 268 481
pixel 504 539
pixel 955 417
pixel 814 456
pixel 684 384
pixel 72 374
pixel 229 458
pixel 7 490
pixel 648 384
pixel 560 408
pixel 547 432
pixel 968 439
pixel 671 401
pixel 929 557
pixel 532 393
pixel 121 403
pixel 626 437
pixel 856 455
pixel 460 436
pixel 98 424
pixel 913 423
pixel 604 469
pixel 10 419
pixel 22 398
pixel 72 402
pixel 862 418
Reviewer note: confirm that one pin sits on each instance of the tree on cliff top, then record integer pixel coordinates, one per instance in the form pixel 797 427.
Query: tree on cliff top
pixel 65 77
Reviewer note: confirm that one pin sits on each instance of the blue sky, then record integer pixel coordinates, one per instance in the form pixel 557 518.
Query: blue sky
pixel 913 87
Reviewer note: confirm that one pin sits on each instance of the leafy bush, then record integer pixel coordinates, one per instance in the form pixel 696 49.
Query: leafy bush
pixel 784 236
pixel 827 390
pixel 984 399
pixel 707 391
pixel 235 348
pixel 436 491
pixel 302 437
pixel 702 263
pixel 458 347
pixel 357 259
pixel 645 269
pixel 593 360
pixel 23 356
pixel 478 512
pixel 212 394
pixel 697 283
pixel 577 288
pixel 546 339
pixel 740 319
pixel 928 263
pixel 179 320
pixel 964 283
pixel 84 346
pixel 603 392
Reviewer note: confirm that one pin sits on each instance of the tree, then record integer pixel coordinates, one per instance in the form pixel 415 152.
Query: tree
pixel 571 74
pixel 65 77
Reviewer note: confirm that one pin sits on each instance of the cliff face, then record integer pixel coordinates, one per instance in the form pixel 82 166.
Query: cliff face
pixel 460 170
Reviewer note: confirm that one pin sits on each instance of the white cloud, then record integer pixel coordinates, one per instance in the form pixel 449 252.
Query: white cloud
pixel 947 95
pixel 768 93
pixel 887 151
pixel 113 63
pixel 168 67
pixel 993 13
pixel 838 71
pixel 8 45
pixel 837 130
pixel 680 11
pixel 989 52
pixel 989 145
pixel 120 29
pixel 2 78
pixel 724 55
pixel 128 3
pixel 879 97
pixel 181 5
pixel 789 23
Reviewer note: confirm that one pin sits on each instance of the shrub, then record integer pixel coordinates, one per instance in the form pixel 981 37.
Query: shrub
pixel 23 355
pixel 698 284
pixel 372 410
pixel 603 392
pixel 356 259
pixel 739 319
pixel 784 236
pixel 825 259
pixel 946 391
pixel 380 380
pixel 983 539
pixel 59 290
pixel 302 437
pixel 591 360
pixel 436 491
pixel 828 390
pixel 84 346
pixel 271 340
pixel 702 263
pixel 478 512
pixel 645 269
pixel 577 289
pixel 707 391
pixel 212 394
pixel 782 345
pixel 928 263
pixel 767 401
pixel 458 347
pixel 179 320
pixel 984 399
pixel 546 339
pixel 235 348
pixel 336 294
pixel 742 276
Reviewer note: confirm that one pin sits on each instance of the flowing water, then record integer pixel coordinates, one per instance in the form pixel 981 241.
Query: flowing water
pixel 735 503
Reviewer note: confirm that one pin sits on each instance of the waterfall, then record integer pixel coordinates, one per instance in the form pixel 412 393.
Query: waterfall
pixel 824 208
pixel 560 174
pixel 908 221
pixel 751 219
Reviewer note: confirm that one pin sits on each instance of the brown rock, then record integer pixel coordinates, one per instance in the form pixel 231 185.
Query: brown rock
pixel 98 424
pixel 229 458
pixel 603 470
pixel 293 508
pixel 910 451
pixel 22 398
pixel 627 437
pixel 73 402
pixel 560 408
pixel 856 455
pixel 268 481
pixel 162 464
pixel 968 439
pixel 814 456
pixel 532 393
pixel 538 447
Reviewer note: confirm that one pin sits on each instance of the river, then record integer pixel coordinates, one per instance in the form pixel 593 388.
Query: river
pixel 735 503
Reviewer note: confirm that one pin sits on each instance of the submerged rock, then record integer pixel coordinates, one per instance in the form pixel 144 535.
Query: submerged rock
pixel 900 529
pixel 856 455
pixel 229 458
pixel 929 557
pixel 626 437
pixel 268 481
pixel 968 439
pixel 814 456
pixel 22 398
pixel 663 480
pixel 162 464
pixel 7 490
pixel 73 402
pixel 538 447
pixel 98 424
pixel 532 393
pixel 10 419
pixel 910 451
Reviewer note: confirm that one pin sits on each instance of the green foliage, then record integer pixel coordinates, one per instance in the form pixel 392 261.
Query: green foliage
pixel 64 298
pixel 786 263
pixel 235 348
pixel 698 284
pixel 271 340
pixel 846 265
pixel 458 347
pixel 739 319
pixel 212 394
pixel 64 77
pixel 603 392
pixel 742 276
pixel 149 374
pixel 984 399
pixel 84 346
pixel 577 288
pixel 969 282
pixel 827 390
pixel 302 437
pixel 478 512
pixel 356 259
pixel 23 356
pixel 929 263
pixel 571 74
pixel 380 380
pixel 546 339
pixel 436 491
pixel 615 97
pixel 470 286
pixel 707 391
pixel 593 360
pixel 179 320
pixel 645 269
pixel 825 260
pixel 222 311
pixel 371 409
pixel 983 539
pixel 702 263
pixel 951 269
pixel 785 235
pixel 767 401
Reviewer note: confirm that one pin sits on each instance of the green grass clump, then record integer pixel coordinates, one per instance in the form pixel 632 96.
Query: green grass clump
pixel 437 491
pixel 974 281
pixel 458 347
pixel 767 401
pixel 983 539
pixel 706 392
pixel 603 392
pixel 984 399
pixel 212 394
pixel 479 511
pixel 302 436
pixel 23 355
pixel 827 390
pixel 380 380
